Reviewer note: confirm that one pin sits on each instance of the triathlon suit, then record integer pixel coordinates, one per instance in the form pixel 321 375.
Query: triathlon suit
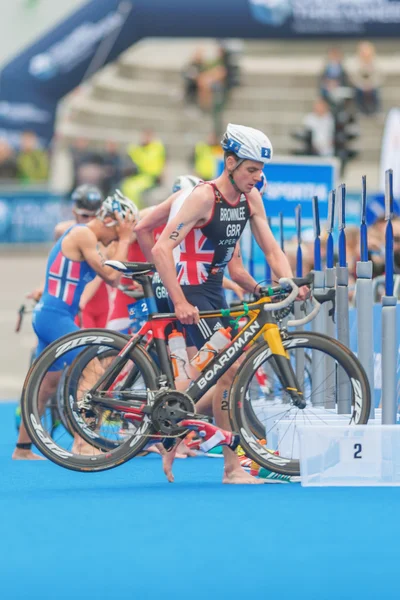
pixel 204 254
pixel 127 314
pixel 54 315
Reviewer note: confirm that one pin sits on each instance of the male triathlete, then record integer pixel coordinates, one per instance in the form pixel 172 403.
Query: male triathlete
pixel 74 261
pixel 207 229
pixel 95 300
pixel 86 200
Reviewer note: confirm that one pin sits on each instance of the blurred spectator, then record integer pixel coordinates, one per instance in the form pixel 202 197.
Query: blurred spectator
pixel 8 162
pixel 206 156
pixel 113 162
pixel 190 75
pixel 346 128
pixel 229 52
pixel 89 165
pixel 208 82
pixel 376 246
pixel 32 161
pixel 149 157
pixel 320 125
pixel 329 130
pixel 334 75
pixel 117 166
pixel 367 79
pixel 211 79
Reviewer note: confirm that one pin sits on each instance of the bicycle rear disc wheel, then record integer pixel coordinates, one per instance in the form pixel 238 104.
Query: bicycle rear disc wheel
pixel 58 445
pixel 278 449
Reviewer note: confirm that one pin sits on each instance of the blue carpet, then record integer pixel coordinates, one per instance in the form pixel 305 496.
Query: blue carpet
pixel 128 533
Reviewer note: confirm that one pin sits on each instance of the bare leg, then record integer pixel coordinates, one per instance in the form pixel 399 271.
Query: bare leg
pixel 233 472
pixel 47 389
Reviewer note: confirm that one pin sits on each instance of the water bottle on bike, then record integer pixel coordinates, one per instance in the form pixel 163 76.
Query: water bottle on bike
pixel 219 340
pixel 178 355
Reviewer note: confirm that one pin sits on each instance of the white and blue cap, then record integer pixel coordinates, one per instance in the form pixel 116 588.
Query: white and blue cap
pixel 247 143
pixel 185 182
pixel 119 203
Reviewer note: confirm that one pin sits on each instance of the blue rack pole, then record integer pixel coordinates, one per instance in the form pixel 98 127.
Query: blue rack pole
pixel 299 253
pixel 318 324
pixel 389 317
pixel 298 305
pixel 251 256
pixel 342 303
pixel 330 280
pixel 364 301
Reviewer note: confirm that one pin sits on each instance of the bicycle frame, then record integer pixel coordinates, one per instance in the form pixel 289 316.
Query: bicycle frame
pixel 260 323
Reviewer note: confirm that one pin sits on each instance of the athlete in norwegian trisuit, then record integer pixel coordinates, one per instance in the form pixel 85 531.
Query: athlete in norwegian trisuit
pixel 75 260
pixel 95 301
pixel 86 201
pixel 211 225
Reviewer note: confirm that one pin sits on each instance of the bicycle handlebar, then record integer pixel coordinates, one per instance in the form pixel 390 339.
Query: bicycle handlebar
pixel 294 284
pixel 284 282
pixel 307 318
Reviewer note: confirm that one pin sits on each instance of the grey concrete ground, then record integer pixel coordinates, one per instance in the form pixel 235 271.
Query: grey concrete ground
pixel 20 272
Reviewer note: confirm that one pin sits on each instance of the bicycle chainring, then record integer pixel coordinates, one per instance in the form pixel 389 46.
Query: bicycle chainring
pixel 169 409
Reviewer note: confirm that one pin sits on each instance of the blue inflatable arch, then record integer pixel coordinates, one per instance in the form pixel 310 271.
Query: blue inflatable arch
pixel 32 84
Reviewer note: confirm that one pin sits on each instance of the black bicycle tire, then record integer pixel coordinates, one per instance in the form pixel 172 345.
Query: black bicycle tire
pixel 31 417
pixel 333 348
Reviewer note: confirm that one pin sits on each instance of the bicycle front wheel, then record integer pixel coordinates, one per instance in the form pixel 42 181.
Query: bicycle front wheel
pixel 334 385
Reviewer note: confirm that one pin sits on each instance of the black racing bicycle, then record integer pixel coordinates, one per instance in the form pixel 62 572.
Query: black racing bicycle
pixel 120 400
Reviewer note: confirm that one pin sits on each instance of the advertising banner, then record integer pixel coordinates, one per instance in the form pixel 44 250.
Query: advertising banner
pixel 296 180
pixel 296 18
pixel 30 217
pixel 33 82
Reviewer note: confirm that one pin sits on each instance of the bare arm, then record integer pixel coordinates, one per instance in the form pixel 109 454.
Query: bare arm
pixel 151 219
pixel 89 291
pixel 85 241
pixel 238 272
pixel 228 284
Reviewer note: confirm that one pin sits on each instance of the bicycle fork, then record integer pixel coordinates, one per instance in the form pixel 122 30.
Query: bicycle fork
pixel 284 369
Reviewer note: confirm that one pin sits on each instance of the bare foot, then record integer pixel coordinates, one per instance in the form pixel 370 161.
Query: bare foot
pixel 183 451
pixel 150 449
pixel 167 461
pixel 84 449
pixel 239 476
pixel 19 454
